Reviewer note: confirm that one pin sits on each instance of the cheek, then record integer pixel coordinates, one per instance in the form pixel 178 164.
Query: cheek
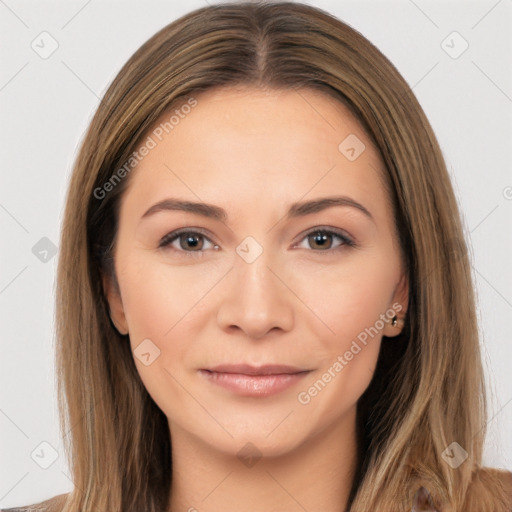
pixel 156 304
pixel 157 297
pixel 348 360
pixel 347 300
pixel 347 305
pixel 165 305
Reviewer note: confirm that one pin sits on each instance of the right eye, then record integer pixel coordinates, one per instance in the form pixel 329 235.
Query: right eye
pixel 187 241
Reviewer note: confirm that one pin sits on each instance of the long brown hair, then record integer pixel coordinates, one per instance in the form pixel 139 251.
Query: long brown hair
pixel 428 389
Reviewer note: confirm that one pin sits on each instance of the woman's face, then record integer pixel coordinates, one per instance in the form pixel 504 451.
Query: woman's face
pixel 269 273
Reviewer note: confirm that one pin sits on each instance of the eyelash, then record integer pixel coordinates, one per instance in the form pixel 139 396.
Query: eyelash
pixel 171 237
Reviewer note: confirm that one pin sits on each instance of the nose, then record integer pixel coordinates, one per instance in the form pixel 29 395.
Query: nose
pixel 257 298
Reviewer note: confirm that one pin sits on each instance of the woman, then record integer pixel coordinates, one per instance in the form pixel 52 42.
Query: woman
pixel 264 298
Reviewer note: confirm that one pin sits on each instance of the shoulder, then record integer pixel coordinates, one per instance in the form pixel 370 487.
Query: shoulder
pixel 54 504
pixel 490 490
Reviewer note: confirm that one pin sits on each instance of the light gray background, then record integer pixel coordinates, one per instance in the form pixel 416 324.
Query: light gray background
pixel 46 105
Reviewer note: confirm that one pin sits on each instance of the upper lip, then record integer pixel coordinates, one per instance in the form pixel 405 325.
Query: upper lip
pixel 246 369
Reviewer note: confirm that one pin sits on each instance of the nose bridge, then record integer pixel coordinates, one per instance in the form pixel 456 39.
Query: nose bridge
pixel 257 301
pixel 257 284
pixel 254 275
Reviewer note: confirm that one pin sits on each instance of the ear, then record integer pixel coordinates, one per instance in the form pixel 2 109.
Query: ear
pixel 398 304
pixel 115 304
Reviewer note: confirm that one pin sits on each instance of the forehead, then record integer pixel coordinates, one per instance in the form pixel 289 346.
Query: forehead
pixel 249 143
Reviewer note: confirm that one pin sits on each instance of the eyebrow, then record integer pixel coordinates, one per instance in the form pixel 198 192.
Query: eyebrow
pixel 298 209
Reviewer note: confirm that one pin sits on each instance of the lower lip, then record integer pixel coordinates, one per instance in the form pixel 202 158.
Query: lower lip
pixel 254 385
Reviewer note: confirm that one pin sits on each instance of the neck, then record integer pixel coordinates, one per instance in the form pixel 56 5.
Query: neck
pixel 316 475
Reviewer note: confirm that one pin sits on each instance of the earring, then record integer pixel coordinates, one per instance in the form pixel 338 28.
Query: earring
pixel 397 322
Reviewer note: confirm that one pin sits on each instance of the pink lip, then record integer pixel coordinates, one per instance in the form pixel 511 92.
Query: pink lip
pixel 247 369
pixel 259 381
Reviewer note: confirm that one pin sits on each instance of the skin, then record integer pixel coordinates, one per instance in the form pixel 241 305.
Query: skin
pixel 253 153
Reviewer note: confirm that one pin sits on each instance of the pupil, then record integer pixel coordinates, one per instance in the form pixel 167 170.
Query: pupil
pixel 192 241
pixel 321 239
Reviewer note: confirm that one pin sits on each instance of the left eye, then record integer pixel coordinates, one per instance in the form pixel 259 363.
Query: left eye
pixel 322 239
